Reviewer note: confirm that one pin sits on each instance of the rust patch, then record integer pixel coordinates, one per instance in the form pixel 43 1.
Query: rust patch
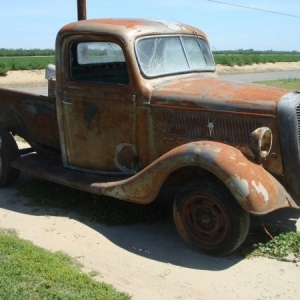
pixel 80 137
pixel 125 157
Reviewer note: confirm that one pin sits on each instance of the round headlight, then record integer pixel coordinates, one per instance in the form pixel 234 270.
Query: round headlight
pixel 261 142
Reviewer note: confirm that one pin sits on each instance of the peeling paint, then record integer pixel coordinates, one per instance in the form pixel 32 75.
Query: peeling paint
pixel 240 186
pixel 170 24
pixel 260 189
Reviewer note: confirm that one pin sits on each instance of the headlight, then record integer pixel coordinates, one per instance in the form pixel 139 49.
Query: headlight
pixel 261 142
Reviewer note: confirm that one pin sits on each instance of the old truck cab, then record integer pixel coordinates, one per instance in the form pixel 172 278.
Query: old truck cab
pixel 138 105
pixel 108 72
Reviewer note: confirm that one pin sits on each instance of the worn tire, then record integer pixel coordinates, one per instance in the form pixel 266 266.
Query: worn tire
pixel 209 218
pixel 8 152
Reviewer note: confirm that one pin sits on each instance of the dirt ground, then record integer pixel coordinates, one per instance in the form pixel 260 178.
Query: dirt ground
pixel 149 261
pixel 36 78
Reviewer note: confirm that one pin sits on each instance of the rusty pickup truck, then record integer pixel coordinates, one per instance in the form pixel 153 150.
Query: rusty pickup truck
pixel 136 105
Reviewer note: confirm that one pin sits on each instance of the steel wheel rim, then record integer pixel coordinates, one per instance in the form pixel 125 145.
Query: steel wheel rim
pixel 205 220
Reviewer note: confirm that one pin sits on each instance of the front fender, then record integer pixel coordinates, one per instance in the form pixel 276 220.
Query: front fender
pixel 252 186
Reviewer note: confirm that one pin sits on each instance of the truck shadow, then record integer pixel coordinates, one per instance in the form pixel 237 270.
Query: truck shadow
pixel 157 241
pixel 160 241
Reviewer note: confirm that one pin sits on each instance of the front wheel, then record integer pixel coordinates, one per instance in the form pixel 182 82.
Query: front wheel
pixel 209 218
pixel 8 152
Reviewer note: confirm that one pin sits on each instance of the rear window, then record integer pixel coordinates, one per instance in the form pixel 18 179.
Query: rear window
pixel 102 62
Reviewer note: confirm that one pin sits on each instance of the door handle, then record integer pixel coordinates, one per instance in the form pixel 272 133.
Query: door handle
pixel 66 101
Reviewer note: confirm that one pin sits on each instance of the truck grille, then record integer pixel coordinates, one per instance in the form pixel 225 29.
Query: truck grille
pixel 218 128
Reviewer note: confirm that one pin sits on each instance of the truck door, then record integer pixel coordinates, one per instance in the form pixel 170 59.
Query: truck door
pixel 98 110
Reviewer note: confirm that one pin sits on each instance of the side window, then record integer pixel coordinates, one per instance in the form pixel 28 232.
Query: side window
pixel 98 62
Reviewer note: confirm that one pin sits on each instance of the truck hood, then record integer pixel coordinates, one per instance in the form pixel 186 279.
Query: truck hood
pixel 218 95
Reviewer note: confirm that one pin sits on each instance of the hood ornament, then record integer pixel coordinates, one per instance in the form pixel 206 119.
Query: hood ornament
pixel 210 126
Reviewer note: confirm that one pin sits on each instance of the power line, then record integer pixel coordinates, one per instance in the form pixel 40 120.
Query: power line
pixel 254 8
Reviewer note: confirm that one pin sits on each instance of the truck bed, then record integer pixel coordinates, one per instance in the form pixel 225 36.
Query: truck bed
pixel 30 116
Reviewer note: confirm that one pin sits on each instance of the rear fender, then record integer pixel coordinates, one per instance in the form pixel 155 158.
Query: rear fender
pixel 252 186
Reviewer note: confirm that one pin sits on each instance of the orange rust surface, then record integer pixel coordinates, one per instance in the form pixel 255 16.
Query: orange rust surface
pixel 129 29
pixel 252 186
pixel 211 92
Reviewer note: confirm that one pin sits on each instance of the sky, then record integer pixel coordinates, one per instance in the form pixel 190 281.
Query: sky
pixel 32 24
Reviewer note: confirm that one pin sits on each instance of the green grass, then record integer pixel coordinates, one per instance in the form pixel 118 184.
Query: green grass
pixel 29 272
pixel 290 83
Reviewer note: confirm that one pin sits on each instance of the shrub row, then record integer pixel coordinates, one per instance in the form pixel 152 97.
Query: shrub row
pixel 249 59
pixel 24 63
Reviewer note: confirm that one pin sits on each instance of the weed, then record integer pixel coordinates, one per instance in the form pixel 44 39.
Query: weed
pixel 94 273
pixel 273 242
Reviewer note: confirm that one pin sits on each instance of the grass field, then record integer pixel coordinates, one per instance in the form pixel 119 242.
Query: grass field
pixel 290 83
pixel 24 63
pixel 247 57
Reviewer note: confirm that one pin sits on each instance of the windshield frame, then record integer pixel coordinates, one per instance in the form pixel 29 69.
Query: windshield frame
pixel 206 53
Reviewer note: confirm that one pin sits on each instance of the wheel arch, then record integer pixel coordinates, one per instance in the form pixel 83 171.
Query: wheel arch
pixel 252 186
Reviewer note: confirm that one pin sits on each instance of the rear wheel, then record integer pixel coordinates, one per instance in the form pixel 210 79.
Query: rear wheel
pixel 8 152
pixel 209 218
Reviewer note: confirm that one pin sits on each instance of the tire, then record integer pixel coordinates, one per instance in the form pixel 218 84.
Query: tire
pixel 208 217
pixel 8 152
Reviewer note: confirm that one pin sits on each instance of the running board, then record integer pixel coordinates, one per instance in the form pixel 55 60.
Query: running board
pixel 51 169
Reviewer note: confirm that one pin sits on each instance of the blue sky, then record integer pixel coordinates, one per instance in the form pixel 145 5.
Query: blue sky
pixel 34 23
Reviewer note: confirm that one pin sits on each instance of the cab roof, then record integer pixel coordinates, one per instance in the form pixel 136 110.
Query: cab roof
pixel 130 29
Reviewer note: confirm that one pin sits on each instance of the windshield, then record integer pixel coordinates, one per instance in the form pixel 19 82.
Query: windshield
pixel 163 55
